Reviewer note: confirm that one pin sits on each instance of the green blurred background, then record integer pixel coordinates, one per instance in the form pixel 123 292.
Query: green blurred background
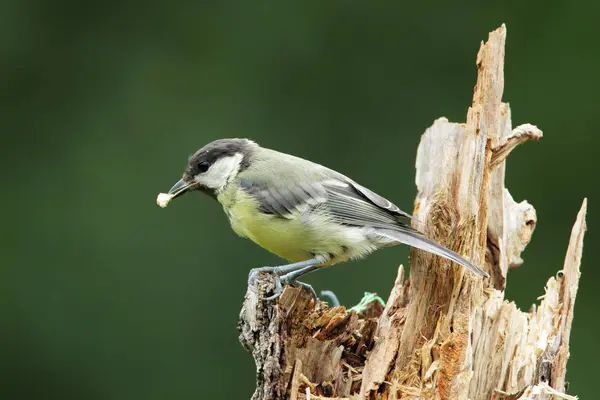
pixel 106 296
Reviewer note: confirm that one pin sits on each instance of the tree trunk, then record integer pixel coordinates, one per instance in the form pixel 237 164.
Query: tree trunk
pixel 444 333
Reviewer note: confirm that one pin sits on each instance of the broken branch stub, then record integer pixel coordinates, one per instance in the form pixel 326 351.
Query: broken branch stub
pixel 444 333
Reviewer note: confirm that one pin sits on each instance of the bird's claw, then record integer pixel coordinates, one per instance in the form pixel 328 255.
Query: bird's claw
pixel 253 274
pixel 280 281
pixel 307 287
pixel 277 290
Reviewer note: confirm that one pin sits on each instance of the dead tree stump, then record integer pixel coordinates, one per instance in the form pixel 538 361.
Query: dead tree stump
pixel 443 334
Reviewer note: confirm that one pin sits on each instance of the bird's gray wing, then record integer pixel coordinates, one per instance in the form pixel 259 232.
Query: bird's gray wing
pixel 378 200
pixel 285 201
pixel 345 200
pixel 354 204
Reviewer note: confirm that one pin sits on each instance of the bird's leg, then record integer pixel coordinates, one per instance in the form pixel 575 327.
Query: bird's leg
pixel 287 274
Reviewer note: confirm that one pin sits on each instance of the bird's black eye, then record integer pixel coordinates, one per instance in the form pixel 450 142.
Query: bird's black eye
pixel 203 166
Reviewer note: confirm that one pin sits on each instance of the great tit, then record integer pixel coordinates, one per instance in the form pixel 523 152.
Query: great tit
pixel 301 211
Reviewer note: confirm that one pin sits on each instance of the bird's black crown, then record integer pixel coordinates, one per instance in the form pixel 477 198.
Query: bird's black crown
pixel 201 160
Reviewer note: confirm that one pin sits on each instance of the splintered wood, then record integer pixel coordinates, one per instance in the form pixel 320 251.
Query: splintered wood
pixel 444 333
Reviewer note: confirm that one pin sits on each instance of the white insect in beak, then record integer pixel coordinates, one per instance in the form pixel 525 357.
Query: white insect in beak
pixel 178 189
pixel 163 199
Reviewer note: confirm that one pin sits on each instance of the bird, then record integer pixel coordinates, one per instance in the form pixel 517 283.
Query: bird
pixel 305 213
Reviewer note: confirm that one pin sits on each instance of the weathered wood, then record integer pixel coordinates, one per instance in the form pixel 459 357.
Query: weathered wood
pixel 444 333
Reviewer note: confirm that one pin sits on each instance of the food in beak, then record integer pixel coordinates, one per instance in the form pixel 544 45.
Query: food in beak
pixel 163 199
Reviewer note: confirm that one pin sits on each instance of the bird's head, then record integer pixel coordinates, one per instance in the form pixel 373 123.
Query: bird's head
pixel 212 167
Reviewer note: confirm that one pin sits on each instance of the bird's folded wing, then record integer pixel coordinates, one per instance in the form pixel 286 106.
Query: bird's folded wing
pixel 378 200
pixel 345 200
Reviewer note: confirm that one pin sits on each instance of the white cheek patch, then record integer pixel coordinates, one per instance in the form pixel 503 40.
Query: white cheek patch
pixel 221 172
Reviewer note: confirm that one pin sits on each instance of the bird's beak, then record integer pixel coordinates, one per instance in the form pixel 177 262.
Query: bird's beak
pixel 180 188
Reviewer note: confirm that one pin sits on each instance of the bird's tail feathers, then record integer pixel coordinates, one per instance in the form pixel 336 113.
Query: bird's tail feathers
pixel 416 239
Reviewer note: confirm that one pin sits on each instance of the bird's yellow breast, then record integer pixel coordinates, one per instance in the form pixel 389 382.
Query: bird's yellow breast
pixel 298 237
pixel 286 238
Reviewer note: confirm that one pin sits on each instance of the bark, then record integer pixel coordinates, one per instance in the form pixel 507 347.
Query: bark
pixel 444 333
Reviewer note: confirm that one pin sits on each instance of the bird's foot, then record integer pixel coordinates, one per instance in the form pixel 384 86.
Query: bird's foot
pixel 287 275
pixel 289 279
pixel 281 279
pixel 254 272
pixel 277 273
